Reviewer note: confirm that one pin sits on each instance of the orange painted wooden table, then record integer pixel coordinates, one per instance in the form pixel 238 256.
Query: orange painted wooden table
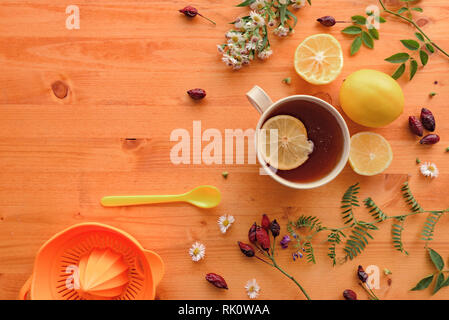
pixel 128 69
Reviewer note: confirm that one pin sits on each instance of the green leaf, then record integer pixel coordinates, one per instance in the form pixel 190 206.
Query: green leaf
pixel 359 20
pixel 282 14
pixel 367 40
pixel 413 68
pixel 424 57
pixel 398 58
pixel 424 283
pixel 246 3
pixel 356 44
pixel 438 283
pixel 418 9
pixel 291 15
pixel 399 72
pixel 430 47
pixel 352 30
pixel 382 20
pixel 436 259
pixel 410 44
pixel 374 33
pixel 419 36
pixel 402 10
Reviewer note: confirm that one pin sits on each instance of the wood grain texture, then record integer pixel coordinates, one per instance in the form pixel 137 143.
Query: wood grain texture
pixel 127 69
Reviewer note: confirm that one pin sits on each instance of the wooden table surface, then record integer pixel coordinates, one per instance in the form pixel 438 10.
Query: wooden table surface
pixel 128 69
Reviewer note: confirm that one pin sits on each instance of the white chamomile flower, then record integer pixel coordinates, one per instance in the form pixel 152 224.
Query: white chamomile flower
pixel 197 251
pixel 235 37
pixel 252 44
pixel 429 170
pixel 225 222
pixel 281 31
pixel 258 5
pixel 257 19
pixel 298 4
pixel 252 289
pixel 265 54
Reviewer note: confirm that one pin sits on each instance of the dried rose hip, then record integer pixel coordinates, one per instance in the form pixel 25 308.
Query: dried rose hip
pixel 192 12
pixel 252 233
pixel 275 228
pixel 363 276
pixel 427 119
pixel 196 94
pixel 415 126
pixel 348 294
pixel 430 139
pixel 265 222
pixel 262 238
pixel 327 21
pixel 217 280
pixel 246 249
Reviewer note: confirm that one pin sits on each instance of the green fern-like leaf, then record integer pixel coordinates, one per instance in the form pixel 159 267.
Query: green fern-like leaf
pixel 429 226
pixel 311 222
pixel 410 199
pixel 396 231
pixel 374 210
pixel 349 201
pixel 358 240
pixel 310 256
pixel 334 238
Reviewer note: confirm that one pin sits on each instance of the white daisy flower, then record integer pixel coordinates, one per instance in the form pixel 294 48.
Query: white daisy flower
pixel 257 19
pixel 281 31
pixel 235 37
pixel 265 54
pixel 225 222
pixel 258 5
pixel 252 289
pixel 249 26
pixel 238 24
pixel 429 170
pixel 298 4
pixel 197 251
pixel 272 23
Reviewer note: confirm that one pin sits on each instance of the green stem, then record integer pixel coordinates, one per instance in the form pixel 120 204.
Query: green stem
pixel 291 278
pixel 415 25
pixel 206 18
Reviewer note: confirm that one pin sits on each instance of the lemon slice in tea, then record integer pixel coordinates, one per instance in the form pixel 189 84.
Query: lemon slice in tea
pixel 283 142
pixel 319 59
pixel 370 153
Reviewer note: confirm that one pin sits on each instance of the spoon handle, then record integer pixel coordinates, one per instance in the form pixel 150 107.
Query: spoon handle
pixel 117 201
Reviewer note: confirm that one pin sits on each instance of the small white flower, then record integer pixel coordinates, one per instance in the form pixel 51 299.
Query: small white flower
pixel 298 4
pixel 225 222
pixel 429 170
pixel 265 54
pixel 249 26
pixel 197 251
pixel 252 44
pixel 257 19
pixel 284 1
pixel 258 5
pixel 252 289
pixel 281 31
pixel 272 23
pixel 239 24
pixel 220 48
pixel 235 37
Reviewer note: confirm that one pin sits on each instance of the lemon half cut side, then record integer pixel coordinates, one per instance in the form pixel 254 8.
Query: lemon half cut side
pixel 319 59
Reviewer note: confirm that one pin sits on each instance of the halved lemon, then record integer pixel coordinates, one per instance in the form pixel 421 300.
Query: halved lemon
pixel 319 59
pixel 283 142
pixel 370 153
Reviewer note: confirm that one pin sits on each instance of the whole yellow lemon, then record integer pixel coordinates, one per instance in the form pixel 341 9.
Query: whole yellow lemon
pixel 371 98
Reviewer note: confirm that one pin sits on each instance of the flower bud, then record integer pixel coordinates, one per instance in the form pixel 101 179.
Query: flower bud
pixel 327 21
pixel 275 228
pixel 217 280
pixel 262 238
pixel 363 276
pixel 348 294
pixel 252 233
pixel 265 222
pixel 284 242
pixel 189 11
pixel 246 249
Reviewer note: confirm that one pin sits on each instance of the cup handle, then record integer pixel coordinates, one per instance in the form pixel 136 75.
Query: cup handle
pixel 259 99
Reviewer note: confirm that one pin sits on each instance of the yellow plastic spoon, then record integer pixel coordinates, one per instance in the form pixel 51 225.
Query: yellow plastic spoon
pixel 203 197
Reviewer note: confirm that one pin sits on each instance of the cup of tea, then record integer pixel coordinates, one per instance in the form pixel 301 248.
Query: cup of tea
pixel 302 142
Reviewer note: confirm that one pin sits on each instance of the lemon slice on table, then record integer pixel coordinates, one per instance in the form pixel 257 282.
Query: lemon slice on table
pixel 370 153
pixel 284 144
pixel 319 59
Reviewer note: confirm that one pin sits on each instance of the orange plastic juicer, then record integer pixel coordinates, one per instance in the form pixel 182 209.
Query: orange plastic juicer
pixel 92 261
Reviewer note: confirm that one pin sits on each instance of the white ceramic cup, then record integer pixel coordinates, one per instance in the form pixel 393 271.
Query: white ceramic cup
pixel 262 102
